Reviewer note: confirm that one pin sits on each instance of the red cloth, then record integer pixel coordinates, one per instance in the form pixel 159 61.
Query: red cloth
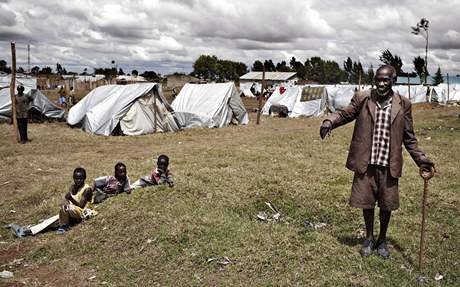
pixel 282 90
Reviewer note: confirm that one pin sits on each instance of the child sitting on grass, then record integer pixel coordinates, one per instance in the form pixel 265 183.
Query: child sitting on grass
pixel 108 186
pixel 80 202
pixel 78 206
pixel 160 175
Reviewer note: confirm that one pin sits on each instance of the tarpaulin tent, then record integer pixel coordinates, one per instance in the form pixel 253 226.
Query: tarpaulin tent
pixel 307 101
pixel 41 108
pixel 444 96
pixel 209 106
pixel 135 108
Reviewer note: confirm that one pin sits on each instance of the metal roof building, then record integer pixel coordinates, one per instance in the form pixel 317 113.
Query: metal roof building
pixel 270 76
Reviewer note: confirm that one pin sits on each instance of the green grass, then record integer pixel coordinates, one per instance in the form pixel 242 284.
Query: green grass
pixel 223 178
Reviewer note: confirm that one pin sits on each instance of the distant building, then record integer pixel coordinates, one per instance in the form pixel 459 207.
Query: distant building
pixel 124 79
pixel 271 78
pixel 179 80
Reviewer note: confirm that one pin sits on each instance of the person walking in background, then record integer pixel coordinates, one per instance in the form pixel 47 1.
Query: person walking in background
pixel 22 109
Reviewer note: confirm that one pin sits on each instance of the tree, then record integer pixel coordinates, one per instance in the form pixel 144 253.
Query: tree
pixel 348 67
pixel 370 76
pixel 85 72
pixel 212 68
pixel 58 69
pixel 282 67
pixel 150 75
pixel 121 72
pixel 295 65
pixel 134 73
pixel 419 66
pixel 393 60
pixel 257 66
pixel 422 29
pixel 35 70
pixel 269 66
pixel 46 71
pixel 4 67
pixel 438 78
pixel 21 70
pixel 205 67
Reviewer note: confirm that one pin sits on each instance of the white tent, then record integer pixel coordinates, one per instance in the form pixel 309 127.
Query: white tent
pixel 41 108
pixel 245 89
pixel 444 96
pixel 417 92
pixel 209 105
pixel 307 101
pixel 136 108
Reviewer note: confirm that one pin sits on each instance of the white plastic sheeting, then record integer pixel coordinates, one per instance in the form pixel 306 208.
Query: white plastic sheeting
pixel 209 106
pixel 291 98
pixel 245 89
pixel 417 92
pixel 444 96
pixel 132 106
pixel 41 105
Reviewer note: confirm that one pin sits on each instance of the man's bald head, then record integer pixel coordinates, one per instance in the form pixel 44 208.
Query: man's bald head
pixel 386 70
pixel 385 77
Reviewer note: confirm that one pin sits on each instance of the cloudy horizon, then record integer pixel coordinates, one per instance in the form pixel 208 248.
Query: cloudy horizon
pixel 168 35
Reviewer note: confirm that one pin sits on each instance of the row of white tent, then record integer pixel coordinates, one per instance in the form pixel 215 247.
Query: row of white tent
pixel 41 107
pixel 141 108
pixel 334 97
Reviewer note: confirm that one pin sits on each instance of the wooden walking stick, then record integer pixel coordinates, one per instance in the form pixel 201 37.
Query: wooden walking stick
pixel 13 91
pixel 426 177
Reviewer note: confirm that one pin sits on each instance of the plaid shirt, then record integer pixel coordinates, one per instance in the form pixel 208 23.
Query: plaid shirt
pixel 380 151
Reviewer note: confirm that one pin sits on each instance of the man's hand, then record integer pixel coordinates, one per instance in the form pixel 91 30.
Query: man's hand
pixel 325 129
pixel 427 165
pixel 68 196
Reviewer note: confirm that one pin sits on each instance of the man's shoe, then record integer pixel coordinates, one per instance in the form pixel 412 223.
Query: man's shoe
pixel 366 248
pixel 382 250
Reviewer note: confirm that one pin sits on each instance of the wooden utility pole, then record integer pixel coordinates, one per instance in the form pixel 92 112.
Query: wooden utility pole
pixel 408 84
pixel 448 88
pixel 359 81
pixel 261 96
pixel 155 111
pixel 13 91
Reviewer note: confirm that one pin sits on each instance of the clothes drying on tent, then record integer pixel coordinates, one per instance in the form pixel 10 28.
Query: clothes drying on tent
pixel 307 101
pixel 209 106
pixel 133 108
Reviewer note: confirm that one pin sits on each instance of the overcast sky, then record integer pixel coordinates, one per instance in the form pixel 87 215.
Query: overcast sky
pixel 168 35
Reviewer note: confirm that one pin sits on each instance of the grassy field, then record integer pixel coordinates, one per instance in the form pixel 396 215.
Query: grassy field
pixel 179 237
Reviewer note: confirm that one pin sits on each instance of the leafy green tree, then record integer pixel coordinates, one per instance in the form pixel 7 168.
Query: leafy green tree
pixel 3 67
pixel 21 70
pixel 295 65
pixel 134 73
pixel 269 66
pixel 282 67
pixel 348 67
pixel 150 75
pixel 46 71
pixel 121 72
pixel 205 67
pixel 394 60
pixel 419 66
pixel 257 66
pixel 35 70
pixel 370 76
pixel 59 69
pixel 438 78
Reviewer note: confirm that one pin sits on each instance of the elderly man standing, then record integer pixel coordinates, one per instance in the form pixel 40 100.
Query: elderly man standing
pixel 383 124
pixel 22 109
